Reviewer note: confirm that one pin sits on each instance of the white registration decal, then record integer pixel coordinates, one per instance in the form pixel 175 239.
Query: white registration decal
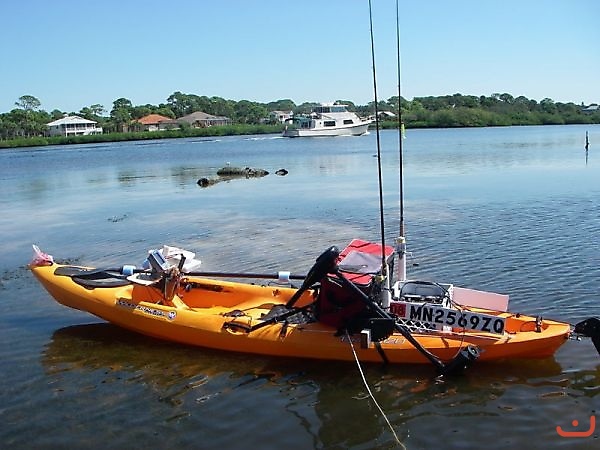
pixel 436 315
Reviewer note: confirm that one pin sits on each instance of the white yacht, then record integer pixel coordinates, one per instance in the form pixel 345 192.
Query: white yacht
pixel 328 119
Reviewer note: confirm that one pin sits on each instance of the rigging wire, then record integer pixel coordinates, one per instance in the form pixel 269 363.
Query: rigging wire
pixel 381 218
pixel 364 380
pixel 400 124
pixel 381 222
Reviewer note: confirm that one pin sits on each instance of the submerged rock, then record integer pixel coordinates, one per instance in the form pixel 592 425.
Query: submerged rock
pixel 281 172
pixel 205 182
pixel 247 172
pixel 230 173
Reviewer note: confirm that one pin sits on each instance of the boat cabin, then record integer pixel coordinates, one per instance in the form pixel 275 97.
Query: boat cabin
pixel 328 119
pixel 326 109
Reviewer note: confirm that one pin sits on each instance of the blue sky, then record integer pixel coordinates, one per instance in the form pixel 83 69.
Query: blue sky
pixel 70 54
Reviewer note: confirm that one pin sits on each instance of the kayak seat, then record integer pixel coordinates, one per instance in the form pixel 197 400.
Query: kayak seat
pixel 422 291
pixel 93 278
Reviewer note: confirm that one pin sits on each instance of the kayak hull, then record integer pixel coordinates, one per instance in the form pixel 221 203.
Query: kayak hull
pixel 218 314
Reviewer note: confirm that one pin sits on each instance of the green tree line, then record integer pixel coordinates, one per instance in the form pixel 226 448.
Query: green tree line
pixel 26 123
pixel 496 110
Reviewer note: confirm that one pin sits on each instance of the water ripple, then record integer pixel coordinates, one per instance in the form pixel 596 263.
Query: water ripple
pixel 507 210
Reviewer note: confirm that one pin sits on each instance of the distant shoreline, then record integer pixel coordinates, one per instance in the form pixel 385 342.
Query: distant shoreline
pixel 28 125
pixel 215 131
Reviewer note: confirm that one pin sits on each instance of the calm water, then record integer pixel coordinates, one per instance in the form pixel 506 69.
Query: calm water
pixel 512 210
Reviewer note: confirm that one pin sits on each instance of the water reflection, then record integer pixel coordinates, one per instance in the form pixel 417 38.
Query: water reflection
pixel 185 176
pixel 35 191
pixel 510 210
pixel 323 404
pixel 586 156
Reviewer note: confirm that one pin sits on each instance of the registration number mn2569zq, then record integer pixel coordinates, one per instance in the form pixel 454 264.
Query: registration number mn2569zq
pixel 437 315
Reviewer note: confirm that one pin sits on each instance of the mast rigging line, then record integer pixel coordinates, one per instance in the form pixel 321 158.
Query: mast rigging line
pixel 400 124
pixel 380 177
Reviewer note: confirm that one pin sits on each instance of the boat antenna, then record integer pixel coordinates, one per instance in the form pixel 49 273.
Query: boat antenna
pixel 384 265
pixel 401 239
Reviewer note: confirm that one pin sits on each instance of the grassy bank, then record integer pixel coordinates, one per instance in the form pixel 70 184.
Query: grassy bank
pixel 227 130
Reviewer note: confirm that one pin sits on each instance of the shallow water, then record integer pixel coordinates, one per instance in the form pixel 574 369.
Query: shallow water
pixel 512 210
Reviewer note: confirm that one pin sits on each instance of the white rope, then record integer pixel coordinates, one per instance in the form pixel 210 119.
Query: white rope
pixel 370 393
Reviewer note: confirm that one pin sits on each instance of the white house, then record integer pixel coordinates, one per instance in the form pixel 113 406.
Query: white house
pixel 73 126
pixel 281 116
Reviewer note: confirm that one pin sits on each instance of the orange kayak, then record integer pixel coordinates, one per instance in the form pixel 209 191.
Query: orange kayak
pixel 243 317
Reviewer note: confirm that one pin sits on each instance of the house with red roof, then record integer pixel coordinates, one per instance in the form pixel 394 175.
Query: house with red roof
pixel 152 122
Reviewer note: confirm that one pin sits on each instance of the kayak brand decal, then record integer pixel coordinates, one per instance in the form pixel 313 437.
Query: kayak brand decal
pixel 155 312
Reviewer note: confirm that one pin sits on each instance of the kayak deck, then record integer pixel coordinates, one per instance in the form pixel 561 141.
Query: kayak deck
pixel 219 314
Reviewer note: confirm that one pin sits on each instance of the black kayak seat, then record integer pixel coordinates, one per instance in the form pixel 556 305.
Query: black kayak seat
pixel 93 278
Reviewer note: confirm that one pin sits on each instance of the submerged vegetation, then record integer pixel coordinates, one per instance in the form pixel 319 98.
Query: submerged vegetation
pixel 26 124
